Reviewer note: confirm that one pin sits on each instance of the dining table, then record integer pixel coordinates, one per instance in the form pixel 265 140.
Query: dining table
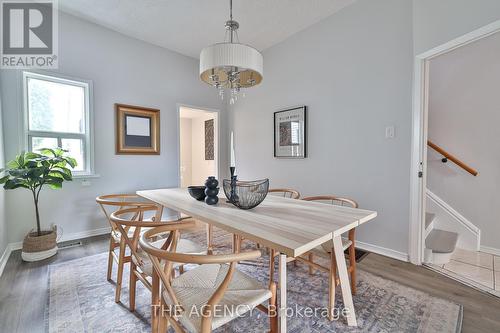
pixel 290 227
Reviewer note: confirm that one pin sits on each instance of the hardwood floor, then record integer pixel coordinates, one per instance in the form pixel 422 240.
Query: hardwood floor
pixel 481 310
pixel 24 289
pixel 24 292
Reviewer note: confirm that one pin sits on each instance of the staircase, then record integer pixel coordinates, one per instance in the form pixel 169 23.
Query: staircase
pixel 453 228
pixel 439 244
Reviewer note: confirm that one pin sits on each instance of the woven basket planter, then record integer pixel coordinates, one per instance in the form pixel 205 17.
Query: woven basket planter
pixel 40 247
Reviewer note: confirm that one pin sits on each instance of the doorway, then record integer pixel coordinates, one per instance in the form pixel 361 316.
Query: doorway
pixel 198 145
pixel 453 92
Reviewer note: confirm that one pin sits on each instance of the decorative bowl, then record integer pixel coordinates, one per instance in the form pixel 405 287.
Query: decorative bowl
pixel 247 194
pixel 197 192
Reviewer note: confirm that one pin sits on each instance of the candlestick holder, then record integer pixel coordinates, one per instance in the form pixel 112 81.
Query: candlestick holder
pixel 233 197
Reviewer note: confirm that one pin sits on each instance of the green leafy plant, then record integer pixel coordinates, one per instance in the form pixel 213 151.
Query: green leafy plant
pixel 33 171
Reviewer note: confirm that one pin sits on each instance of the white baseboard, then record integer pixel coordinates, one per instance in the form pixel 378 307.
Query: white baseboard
pixel 102 231
pixel 69 237
pixel 65 237
pixel 5 258
pixel 382 251
pixel 490 250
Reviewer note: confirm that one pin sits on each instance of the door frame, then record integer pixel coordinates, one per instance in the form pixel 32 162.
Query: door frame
pixel 419 135
pixel 217 134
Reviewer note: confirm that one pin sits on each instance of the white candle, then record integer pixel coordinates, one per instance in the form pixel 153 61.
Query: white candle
pixel 233 163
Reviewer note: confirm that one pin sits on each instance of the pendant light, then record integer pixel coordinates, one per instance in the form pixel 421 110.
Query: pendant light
pixel 231 65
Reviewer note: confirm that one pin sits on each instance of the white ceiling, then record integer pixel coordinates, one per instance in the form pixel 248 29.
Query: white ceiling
pixel 186 26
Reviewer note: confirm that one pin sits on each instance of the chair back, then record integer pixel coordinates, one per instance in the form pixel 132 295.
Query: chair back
pixel 164 258
pixel 130 221
pixel 334 200
pixel 286 192
pixel 113 202
pixel 339 201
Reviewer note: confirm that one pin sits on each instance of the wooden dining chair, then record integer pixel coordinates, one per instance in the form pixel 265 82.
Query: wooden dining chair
pixel 325 250
pixel 141 268
pixel 209 295
pixel 111 203
pixel 285 192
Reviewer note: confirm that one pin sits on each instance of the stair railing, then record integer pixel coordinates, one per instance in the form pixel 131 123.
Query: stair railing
pixel 447 156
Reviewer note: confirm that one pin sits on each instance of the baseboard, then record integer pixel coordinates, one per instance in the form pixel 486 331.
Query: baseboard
pixel 69 237
pixel 5 258
pixel 102 231
pixel 490 250
pixel 382 251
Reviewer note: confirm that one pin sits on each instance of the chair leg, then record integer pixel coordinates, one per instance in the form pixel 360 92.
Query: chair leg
pixel 119 275
pixel 352 265
pixel 163 321
pixel 272 254
pixel 156 310
pixel 209 239
pixel 311 258
pixel 132 285
pixel 273 310
pixel 110 257
pixel 332 283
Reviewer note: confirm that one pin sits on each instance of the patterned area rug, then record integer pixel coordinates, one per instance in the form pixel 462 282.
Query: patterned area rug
pixel 82 300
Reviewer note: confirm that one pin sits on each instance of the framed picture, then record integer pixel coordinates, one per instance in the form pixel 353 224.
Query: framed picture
pixel 209 140
pixel 137 130
pixel 290 133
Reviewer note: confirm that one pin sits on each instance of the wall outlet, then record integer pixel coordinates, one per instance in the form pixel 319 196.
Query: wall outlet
pixel 389 132
pixel 86 182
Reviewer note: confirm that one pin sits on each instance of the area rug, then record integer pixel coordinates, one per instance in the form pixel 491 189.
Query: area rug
pixel 82 300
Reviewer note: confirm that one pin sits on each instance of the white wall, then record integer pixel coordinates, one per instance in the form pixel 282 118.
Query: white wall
pixel 201 168
pixel 123 70
pixel 439 21
pixel 354 72
pixel 3 222
pixel 464 113
pixel 186 154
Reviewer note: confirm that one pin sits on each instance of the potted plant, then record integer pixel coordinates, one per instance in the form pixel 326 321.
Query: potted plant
pixel 33 171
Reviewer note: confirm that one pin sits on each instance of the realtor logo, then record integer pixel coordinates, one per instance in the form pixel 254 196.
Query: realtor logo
pixel 29 34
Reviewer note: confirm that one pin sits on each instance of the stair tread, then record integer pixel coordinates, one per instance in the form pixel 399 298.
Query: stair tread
pixel 441 241
pixel 429 217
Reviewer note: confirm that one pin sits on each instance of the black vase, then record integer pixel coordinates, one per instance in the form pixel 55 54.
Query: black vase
pixel 211 191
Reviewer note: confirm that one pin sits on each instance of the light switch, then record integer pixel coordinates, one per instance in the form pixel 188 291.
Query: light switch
pixel 389 132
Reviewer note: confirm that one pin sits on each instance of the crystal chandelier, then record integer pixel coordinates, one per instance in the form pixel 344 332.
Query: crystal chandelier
pixel 231 65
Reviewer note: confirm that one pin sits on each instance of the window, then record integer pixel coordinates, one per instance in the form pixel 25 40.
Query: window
pixel 58 115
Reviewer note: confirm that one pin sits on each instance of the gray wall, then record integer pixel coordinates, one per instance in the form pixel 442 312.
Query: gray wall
pixel 354 72
pixel 123 70
pixel 464 113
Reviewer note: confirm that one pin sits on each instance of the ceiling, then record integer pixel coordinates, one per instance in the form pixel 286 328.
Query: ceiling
pixel 186 26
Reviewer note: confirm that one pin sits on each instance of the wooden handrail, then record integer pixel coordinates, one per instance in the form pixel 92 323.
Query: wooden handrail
pixel 452 158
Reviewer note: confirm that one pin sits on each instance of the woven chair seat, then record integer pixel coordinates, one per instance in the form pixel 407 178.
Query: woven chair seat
pixel 195 287
pixel 325 249
pixel 184 246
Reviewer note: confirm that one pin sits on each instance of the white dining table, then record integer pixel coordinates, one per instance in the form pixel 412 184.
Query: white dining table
pixel 291 227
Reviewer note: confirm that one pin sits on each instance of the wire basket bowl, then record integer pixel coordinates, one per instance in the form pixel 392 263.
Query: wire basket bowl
pixel 247 194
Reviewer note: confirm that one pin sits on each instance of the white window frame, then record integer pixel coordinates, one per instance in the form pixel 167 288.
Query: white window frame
pixel 87 137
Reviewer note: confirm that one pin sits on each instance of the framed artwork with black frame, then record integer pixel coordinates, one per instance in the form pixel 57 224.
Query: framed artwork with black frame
pixel 137 130
pixel 290 133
